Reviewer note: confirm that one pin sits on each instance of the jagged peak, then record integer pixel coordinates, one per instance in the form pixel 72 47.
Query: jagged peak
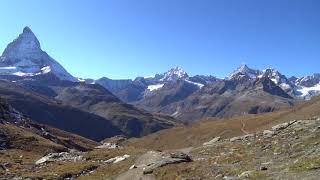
pixel 177 70
pixel 243 69
pixel 174 74
pixel 24 44
pixel 27 30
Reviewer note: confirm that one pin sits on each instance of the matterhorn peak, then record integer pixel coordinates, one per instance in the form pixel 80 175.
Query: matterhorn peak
pixel 27 30
pixel 26 43
pixel 24 57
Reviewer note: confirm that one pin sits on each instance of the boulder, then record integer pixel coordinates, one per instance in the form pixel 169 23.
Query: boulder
pixel 212 142
pixel 242 138
pixel 282 126
pixel 246 174
pixel 117 159
pixel 108 146
pixel 268 133
pixel 172 158
pixel 63 156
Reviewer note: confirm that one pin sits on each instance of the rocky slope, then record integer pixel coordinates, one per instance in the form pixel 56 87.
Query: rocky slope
pixel 282 145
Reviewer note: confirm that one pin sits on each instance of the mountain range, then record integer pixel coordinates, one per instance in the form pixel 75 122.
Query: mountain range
pixel 140 106
pixel 253 124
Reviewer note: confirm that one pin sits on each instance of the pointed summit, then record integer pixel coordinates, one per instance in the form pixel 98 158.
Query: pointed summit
pixel 24 57
pixel 174 74
pixel 244 70
pixel 27 30
pixel 26 43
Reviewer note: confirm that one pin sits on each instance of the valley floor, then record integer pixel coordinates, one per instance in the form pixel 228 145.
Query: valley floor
pixel 290 150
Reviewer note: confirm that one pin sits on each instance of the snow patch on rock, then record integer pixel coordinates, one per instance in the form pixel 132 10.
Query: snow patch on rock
pixel 155 87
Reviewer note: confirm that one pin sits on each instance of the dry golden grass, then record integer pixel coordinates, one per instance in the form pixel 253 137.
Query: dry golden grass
pixel 206 129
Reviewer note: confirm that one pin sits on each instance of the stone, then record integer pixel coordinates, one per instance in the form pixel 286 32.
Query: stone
pixel 212 142
pixel 63 156
pixel 180 155
pixel 107 146
pixel 246 174
pixel 172 158
pixel 242 138
pixel 133 167
pixel 117 159
pixel 263 168
pixel 283 125
pixel 268 133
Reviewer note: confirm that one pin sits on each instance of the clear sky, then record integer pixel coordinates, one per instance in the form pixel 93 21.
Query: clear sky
pixel 129 38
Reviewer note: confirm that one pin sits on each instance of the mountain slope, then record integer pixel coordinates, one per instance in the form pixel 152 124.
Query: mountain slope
pixel 97 100
pixel 54 113
pixel 208 128
pixel 222 98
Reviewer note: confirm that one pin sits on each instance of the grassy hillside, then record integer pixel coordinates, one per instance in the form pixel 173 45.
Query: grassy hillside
pixel 206 129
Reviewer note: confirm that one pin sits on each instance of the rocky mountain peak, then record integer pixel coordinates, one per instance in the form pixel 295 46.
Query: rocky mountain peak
pixel 244 70
pixel 309 81
pixel 26 44
pixel 174 74
pixel 24 57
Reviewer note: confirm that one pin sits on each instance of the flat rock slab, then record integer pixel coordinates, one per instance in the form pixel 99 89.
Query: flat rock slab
pixel 150 161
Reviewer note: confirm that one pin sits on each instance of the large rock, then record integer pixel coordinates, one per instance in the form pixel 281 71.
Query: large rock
pixel 63 156
pixel 166 159
pixel 212 142
pixel 283 125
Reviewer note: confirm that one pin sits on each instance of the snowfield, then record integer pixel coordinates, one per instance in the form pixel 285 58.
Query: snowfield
pixel 155 87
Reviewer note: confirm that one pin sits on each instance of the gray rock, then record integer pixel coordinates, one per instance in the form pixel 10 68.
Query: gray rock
pixel 242 138
pixel 117 159
pixel 246 174
pixel 282 126
pixel 172 158
pixel 63 156
pixel 268 133
pixel 212 142
pixel 108 146
pixel 263 168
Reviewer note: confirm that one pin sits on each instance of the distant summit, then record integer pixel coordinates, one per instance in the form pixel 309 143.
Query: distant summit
pixel 244 70
pixel 174 74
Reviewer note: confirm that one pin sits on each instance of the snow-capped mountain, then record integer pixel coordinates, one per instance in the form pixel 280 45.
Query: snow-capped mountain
pixel 24 57
pixel 176 73
pixel 308 81
pixel 278 79
pixel 308 86
pixel 244 71
pixel 300 88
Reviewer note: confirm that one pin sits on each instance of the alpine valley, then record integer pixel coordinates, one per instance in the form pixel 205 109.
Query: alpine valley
pixel 168 126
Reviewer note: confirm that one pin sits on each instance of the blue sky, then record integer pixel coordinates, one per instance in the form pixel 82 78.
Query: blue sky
pixel 129 38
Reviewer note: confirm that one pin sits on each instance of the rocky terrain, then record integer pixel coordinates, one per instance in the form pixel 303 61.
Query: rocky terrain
pixel 286 147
